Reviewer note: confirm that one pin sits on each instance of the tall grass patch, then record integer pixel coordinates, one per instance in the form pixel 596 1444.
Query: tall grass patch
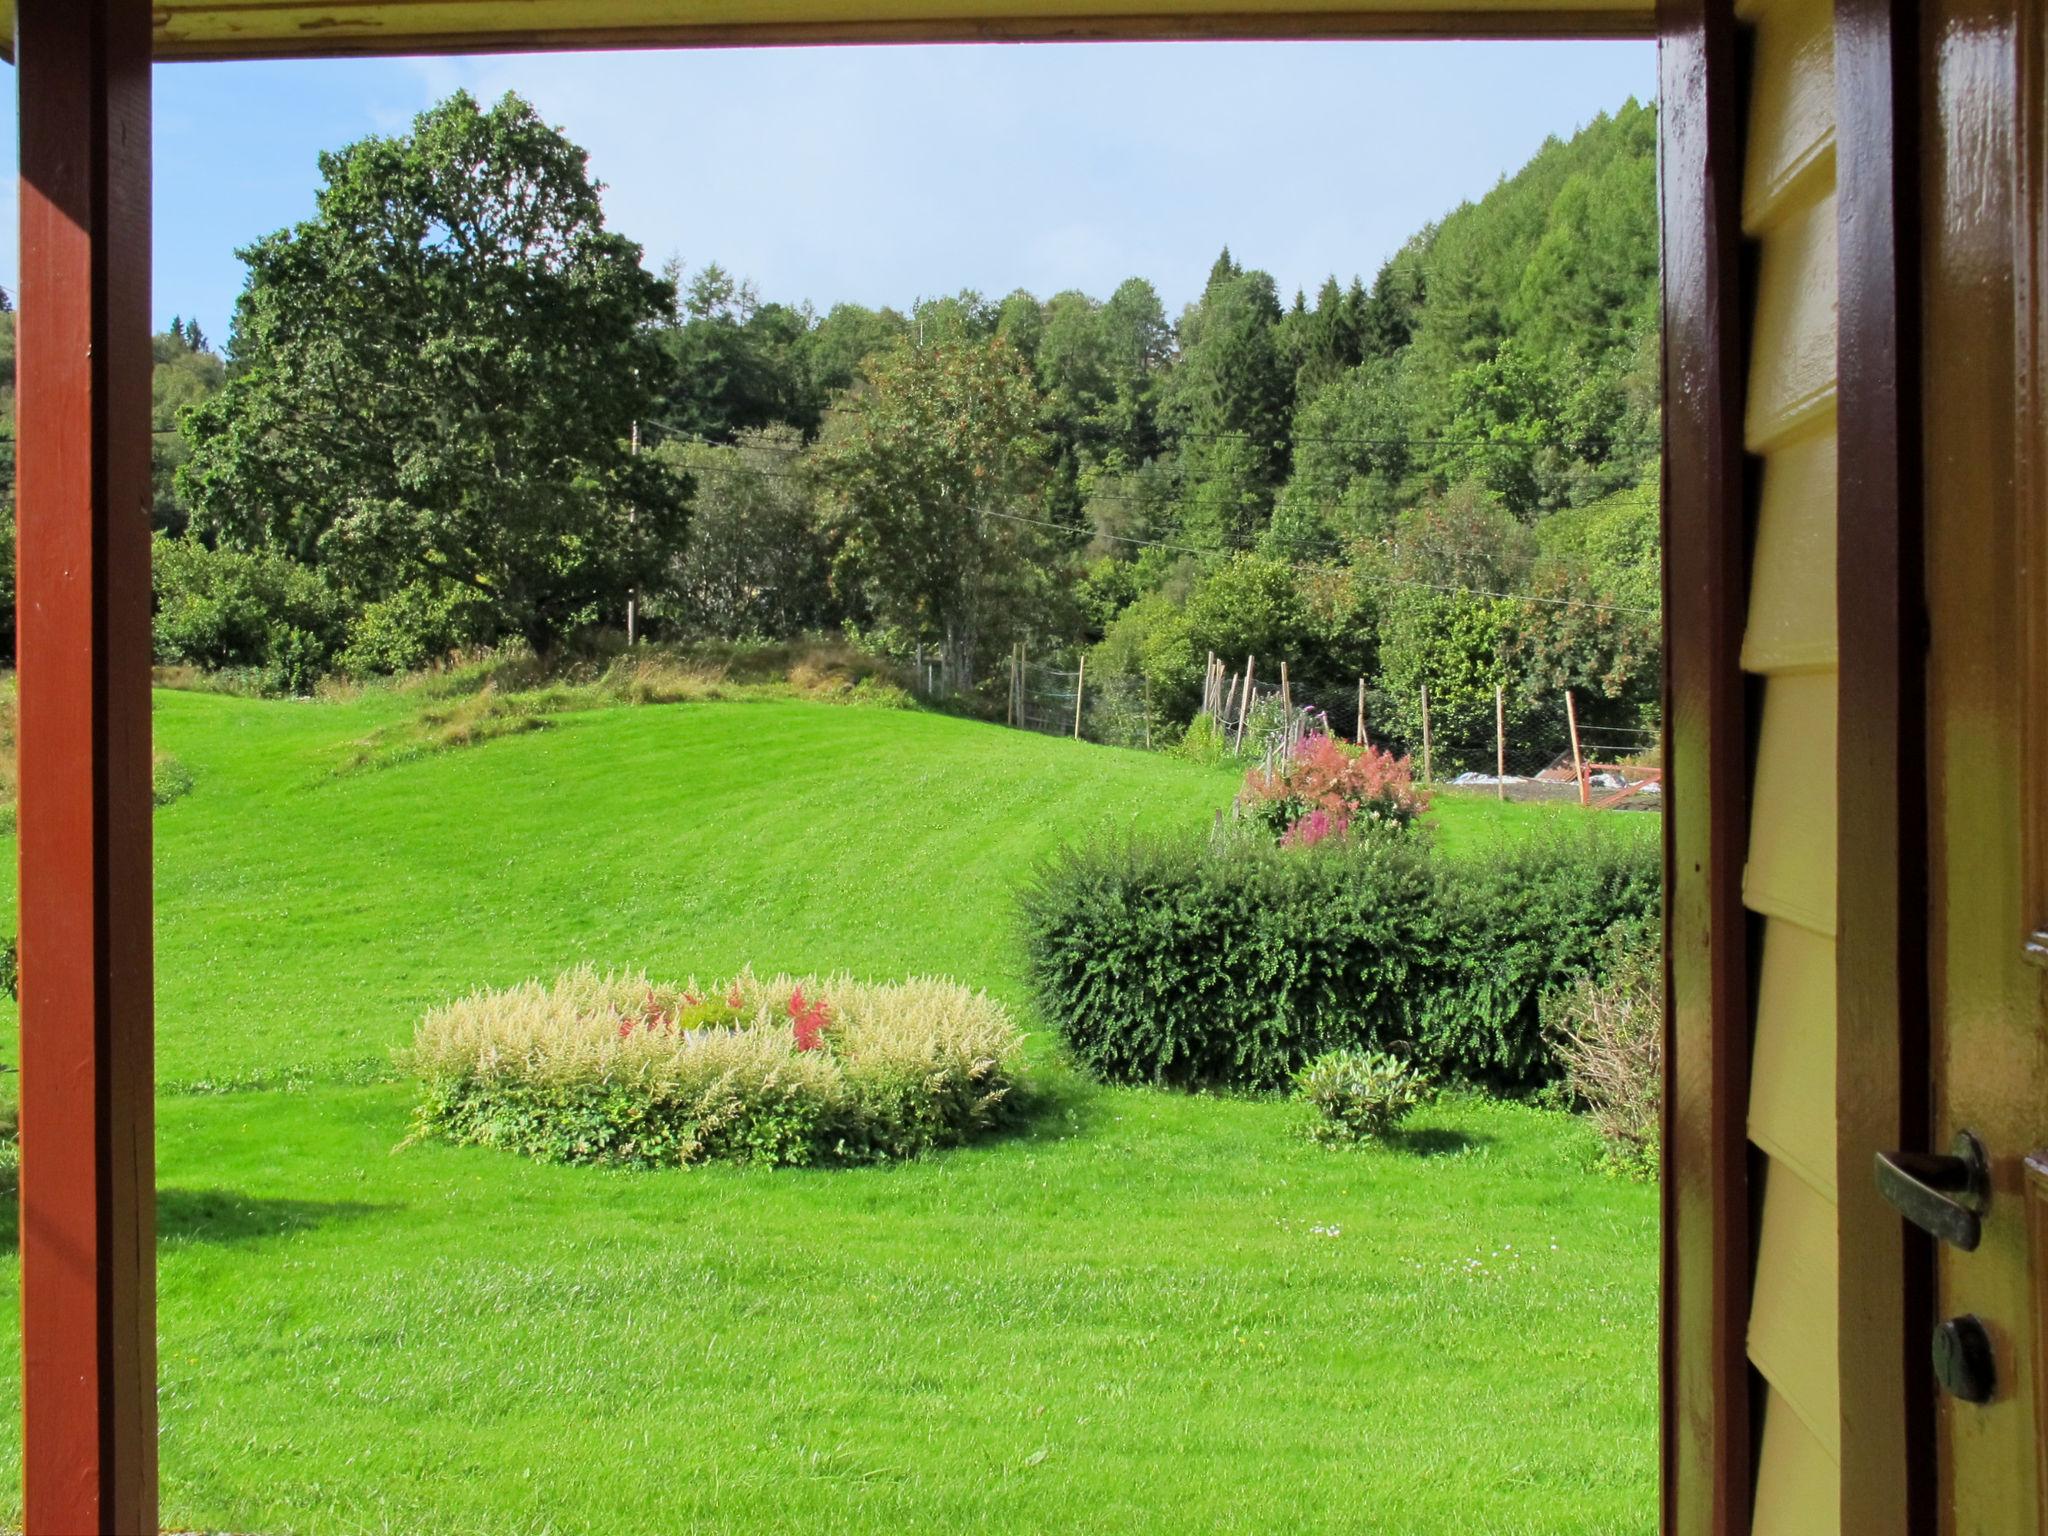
pixel 1191 961
pixel 615 1068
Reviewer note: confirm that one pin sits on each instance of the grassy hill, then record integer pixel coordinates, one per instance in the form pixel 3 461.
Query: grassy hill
pixel 1148 1312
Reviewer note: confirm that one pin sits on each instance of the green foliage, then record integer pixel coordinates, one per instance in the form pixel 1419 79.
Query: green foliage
pixel 432 378
pixel 185 373
pixel 1358 1095
pixel 930 468
pixel 1204 741
pixel 755 564
pixel 10 968
pixel 412 628
pixel 1189 962
pixel 235 608
pixel 1609 1034
pixel 169 779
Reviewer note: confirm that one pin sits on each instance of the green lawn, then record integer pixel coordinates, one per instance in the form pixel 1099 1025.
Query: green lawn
pixel 1123 1320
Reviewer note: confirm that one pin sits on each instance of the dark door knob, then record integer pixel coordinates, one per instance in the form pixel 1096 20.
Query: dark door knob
pixel 1945 1197
pixel 1964 1361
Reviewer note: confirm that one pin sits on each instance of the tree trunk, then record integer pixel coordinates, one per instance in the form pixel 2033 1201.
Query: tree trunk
pixel 961 640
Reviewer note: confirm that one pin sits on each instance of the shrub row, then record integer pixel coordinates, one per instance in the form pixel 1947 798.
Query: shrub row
pixel 617 1069
pixel 1198 962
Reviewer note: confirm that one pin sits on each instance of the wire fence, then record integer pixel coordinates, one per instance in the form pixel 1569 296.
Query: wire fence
pixel 1257 721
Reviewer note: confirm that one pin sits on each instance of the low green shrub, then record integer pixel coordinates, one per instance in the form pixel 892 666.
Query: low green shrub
pixel 253 611
pixel 1205 741
pixel 1193 961
pixel 1609 1034
pixel 169 779
pixel 617 1069
pixel 412 628
pixel 1358 1095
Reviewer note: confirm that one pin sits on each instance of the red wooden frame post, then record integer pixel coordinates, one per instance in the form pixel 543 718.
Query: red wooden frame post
pixel 88 1252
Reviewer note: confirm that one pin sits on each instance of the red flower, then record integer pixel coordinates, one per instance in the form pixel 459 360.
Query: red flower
pixel 808 1020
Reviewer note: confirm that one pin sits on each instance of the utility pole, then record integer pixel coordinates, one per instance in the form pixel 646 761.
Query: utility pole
pixel 633 597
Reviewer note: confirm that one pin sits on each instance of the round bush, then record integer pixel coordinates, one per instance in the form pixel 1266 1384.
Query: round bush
pixel 617 1069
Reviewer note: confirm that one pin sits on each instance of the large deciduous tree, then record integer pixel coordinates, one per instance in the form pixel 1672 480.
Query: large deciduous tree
pixel 434 380
pixel 931 469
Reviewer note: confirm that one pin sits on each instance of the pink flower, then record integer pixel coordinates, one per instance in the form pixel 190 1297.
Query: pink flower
pixel 808 1020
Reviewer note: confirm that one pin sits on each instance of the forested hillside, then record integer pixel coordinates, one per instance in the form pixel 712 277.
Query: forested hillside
pixel 457 409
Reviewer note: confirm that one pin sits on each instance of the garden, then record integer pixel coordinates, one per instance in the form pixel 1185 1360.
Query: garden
pixel 766 1113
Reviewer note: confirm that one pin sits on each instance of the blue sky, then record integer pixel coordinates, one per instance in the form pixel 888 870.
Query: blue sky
pixel 882 174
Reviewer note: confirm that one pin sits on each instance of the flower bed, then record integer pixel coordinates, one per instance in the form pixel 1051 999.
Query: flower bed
pixel 617 1069
pixel 1325 790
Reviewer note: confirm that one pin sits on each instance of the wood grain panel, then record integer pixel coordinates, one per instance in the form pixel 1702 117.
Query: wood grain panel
pixel 201 29
pixel 1791 869
pixel 1792 579
pixel 2031 274
pixel 1792 357
pixel 1791 149
pixel 1882 1074
pixel 1792 1075
pixel 1792 1331
pixel 1707 1448
pixel 1797 1480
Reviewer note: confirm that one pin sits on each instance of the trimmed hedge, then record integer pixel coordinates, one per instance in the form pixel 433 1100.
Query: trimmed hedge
pixel 1193 963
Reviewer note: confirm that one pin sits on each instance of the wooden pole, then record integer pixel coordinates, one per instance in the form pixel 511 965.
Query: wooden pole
pixel 633 593
pixel 1361 711
pixel 1244 703
pixel 87 1180
pixel 1080 688
pixel 1571 715
pixel 1428 777
pixel 1500 742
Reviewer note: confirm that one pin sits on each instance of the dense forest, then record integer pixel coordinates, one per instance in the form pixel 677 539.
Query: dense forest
pixel 456 409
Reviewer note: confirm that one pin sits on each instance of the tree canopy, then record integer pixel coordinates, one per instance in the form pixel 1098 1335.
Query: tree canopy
pixel 433 379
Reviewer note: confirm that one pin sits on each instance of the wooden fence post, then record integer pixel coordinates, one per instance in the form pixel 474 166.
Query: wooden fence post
pixel 1500 742
pixel 1571 715
pixel 1244 703
pixel 1080 688
pixel 1361 711
pixel 1428 777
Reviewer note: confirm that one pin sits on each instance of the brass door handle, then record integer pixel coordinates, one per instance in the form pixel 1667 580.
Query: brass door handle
pixel 1945 1197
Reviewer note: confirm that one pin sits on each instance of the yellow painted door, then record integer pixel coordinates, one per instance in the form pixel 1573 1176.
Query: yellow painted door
pixel 1987 541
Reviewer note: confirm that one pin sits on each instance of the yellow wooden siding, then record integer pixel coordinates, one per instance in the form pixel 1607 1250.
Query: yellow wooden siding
pixel 1792 359
pixel 1792 1067
pixel 209 28
pixel 1792 107
pixel 1792 582
pixel 1791 868
pixel 1792 1337
pixel 1797 1481
pixel 1790 643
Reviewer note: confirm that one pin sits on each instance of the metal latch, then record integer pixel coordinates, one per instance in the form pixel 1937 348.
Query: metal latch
pixel 1945 1197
